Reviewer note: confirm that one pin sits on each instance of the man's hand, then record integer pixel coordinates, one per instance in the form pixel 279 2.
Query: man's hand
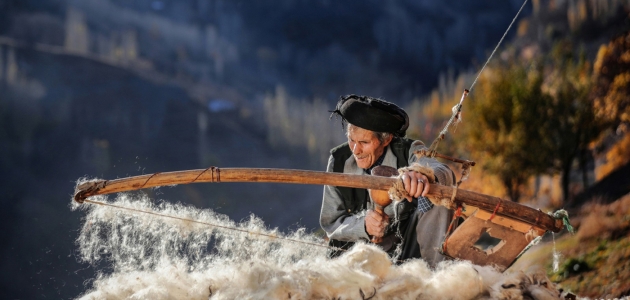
pixel 376 223
pixel 416 184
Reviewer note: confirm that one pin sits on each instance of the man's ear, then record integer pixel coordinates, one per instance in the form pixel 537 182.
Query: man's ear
pixel 388 140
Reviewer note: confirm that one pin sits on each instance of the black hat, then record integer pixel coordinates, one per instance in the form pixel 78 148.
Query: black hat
pixel 373 114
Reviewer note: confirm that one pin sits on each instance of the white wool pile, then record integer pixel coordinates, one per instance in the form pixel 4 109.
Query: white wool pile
pixel 156 257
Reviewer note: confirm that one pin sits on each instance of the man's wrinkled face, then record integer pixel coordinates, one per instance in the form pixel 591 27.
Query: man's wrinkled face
pixel 365 146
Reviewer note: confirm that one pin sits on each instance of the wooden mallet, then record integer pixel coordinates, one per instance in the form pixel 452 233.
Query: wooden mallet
pixel 381 198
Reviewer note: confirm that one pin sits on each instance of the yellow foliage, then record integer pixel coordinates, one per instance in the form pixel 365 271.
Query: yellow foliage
pixel 612 76
pixel 617 156
pixel 604 51
pixel 481 182
pixel 429 114
pixel 618 94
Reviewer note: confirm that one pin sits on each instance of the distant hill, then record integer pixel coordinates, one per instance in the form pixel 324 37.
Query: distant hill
pixel 65 116
pixel 313 48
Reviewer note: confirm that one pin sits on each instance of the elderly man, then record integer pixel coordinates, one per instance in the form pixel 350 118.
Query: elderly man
pixel 376 136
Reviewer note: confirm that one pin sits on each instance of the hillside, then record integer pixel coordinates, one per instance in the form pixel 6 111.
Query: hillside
pixel 595 262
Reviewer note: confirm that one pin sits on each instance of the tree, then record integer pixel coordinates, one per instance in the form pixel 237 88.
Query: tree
pixel 611 91
pixel 573 124
pixel 506 119
pixel 535 120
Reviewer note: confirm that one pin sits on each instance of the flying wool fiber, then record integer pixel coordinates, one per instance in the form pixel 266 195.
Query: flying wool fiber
pixel 172 251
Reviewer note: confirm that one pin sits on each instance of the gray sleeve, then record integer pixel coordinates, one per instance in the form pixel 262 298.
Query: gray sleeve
pixel 443 174
pixel 335 220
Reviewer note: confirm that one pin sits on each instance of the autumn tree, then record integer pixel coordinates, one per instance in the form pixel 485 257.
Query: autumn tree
pixel 612 82
pixel 611 94
pixel 506 121
pixel 573 124
pixel 535 120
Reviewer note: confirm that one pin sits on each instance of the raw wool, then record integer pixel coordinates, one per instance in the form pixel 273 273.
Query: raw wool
pixel 157 257
pixel 165 282
pixel 398 193
pixel 532 284
pixel 455 280
pixel 137 240
pixel 360 270
pixel 406 281
pixel 416 167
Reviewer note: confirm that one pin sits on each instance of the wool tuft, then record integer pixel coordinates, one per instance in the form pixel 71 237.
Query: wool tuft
pixel 159 250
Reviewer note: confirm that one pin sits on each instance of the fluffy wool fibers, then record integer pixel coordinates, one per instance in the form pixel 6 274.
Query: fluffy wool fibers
pixel 171 251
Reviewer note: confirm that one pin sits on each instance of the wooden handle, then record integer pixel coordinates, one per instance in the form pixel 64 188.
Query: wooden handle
pixel 381 198
pixel 379 210
pixel 212 174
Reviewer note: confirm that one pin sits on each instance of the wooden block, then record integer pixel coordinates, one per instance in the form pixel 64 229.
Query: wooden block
pixel 461 243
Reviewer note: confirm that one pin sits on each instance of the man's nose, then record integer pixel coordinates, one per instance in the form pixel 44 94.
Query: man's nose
pixel 355 149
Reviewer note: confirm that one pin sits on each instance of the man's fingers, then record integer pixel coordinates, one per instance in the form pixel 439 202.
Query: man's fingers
pixel 375 223
pixel 413 186
pixel 376 216
pixel 409 198
pixel 426 186
pixel 385 220
pixel 419 189
pixel 377 219
pixel 406 181
pixel 410 183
